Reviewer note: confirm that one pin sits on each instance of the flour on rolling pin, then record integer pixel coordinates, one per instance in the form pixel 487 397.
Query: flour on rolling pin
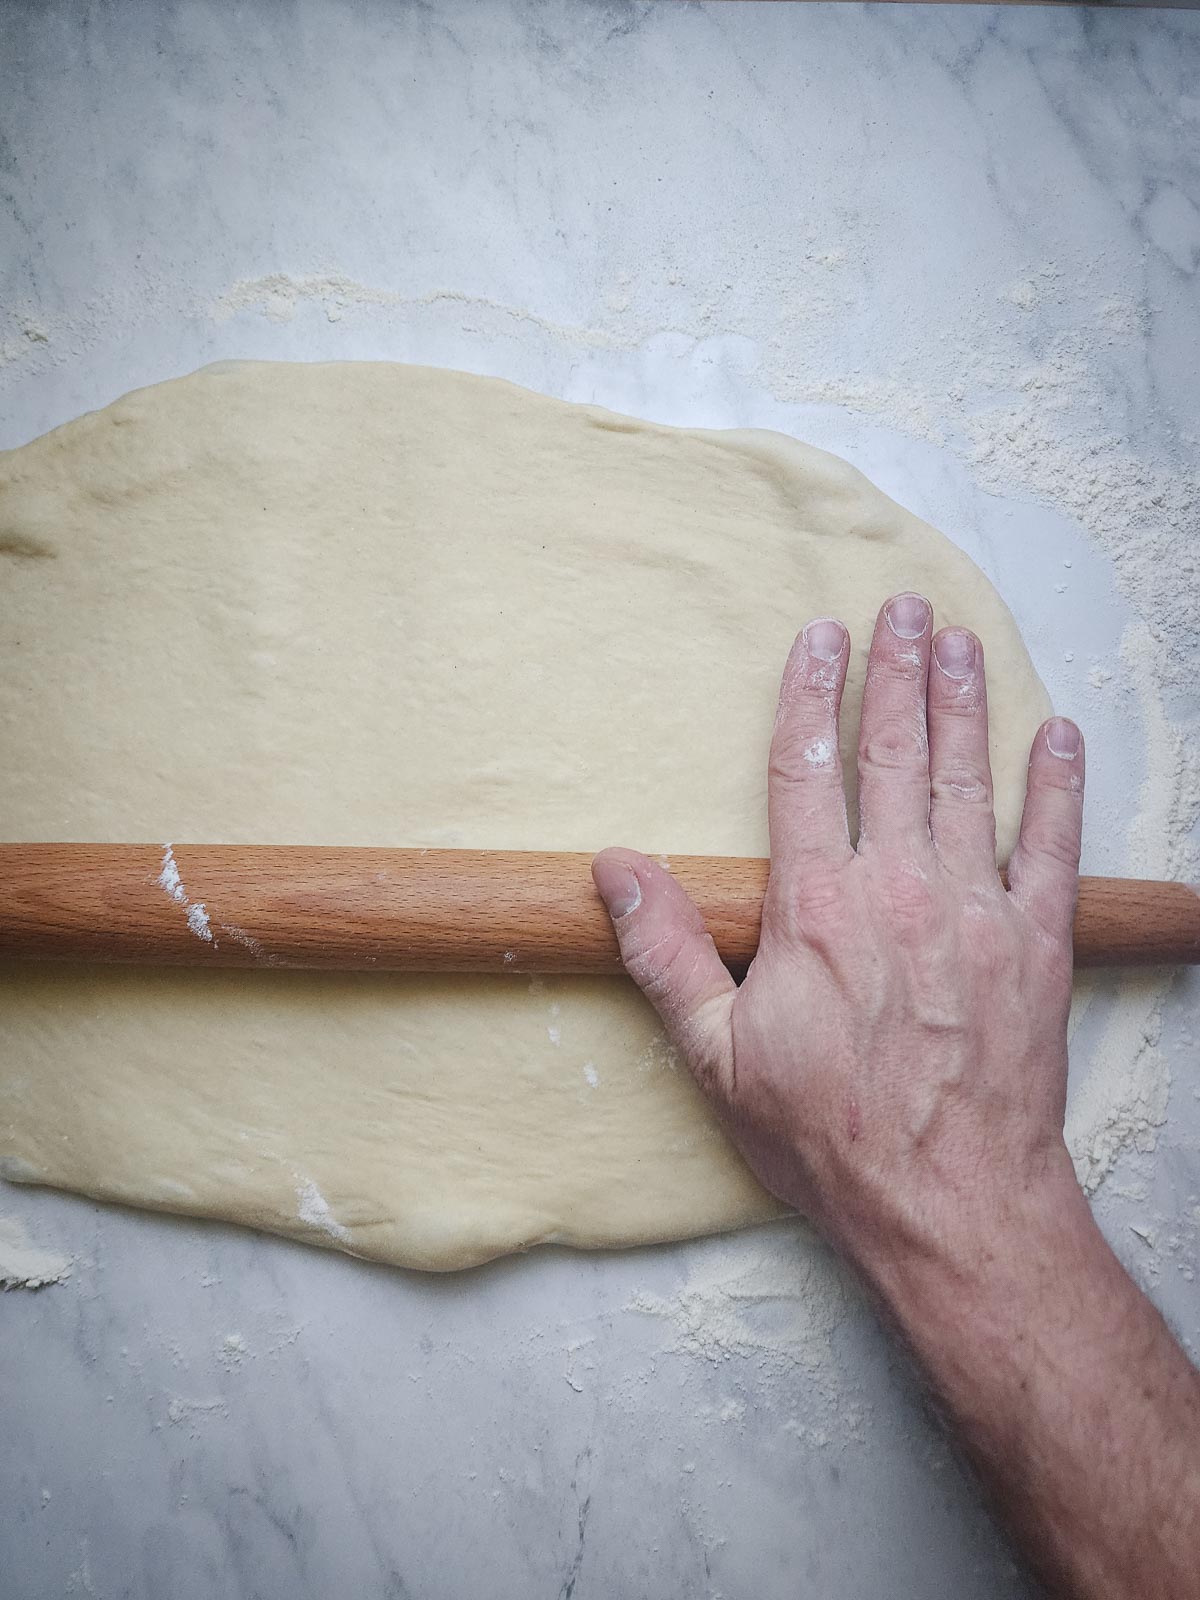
pixel 170 882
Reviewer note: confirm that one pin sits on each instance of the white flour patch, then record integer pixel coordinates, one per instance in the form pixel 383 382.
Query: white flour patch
pixel 592 1076
pixel 279 296
pixel 313 1208
pixel 170 881
pixel 762 1309
pixel 23 1265
pixel 232 1351
pixel 776 1300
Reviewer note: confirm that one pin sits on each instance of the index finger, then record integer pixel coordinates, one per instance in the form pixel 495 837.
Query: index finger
pixel 806 798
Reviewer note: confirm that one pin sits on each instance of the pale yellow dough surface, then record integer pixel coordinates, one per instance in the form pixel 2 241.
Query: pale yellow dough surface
pixel 376 604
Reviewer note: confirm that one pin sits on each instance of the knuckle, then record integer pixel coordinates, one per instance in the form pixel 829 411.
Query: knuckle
pixel 651 966
pixel 800 757
pixel 821 890
pixel 810 909
pixel 660 969
pixel 958 700
pixel 1059 841
pixel 903 663
pixel 960 782
pixel 908 901
pixel 817 681
pixel 899 745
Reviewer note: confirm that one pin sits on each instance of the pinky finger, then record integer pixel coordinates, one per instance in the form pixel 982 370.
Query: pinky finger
pixel 1043 874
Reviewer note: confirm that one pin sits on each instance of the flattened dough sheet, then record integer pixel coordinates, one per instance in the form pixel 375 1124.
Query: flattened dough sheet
pixel 364 603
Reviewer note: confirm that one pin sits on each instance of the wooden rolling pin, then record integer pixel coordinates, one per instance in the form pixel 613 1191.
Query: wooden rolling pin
pixel 430 910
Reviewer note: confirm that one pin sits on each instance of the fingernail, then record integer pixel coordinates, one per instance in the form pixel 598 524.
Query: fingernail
pixel 1062 738
pixel 824 638
pixel 955 653
pixel 618 886
pixel 908 615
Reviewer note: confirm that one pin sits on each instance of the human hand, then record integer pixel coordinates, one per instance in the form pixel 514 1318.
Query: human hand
pixel 894 1064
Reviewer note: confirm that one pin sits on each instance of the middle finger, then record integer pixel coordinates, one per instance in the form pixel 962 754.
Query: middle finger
pixel 893 740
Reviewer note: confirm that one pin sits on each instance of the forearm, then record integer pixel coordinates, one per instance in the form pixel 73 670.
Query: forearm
pixel 895 1065
pixel 1076 1405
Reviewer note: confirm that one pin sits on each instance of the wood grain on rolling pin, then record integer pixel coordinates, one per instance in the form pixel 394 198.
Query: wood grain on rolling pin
pixel 430 910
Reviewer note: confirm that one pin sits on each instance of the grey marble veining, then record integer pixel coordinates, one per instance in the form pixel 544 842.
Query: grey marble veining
pixel 960 246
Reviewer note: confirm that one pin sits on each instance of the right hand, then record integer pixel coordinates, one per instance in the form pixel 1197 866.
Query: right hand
pixel 895 1063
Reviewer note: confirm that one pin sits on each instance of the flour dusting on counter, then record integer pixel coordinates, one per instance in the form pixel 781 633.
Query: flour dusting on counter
pixel 1121 1098
pixel 776 1299
pixel 765 1308
pixel 23 1265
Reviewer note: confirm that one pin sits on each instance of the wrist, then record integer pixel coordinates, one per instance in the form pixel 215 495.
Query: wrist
pixel 982 1264
pixel 1063 1383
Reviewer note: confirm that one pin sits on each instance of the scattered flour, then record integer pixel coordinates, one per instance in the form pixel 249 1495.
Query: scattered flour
pixel 1121 1098
pixel 1162 840
pixel 1122 1101
pixel 279 296
pixel 762 1308
pixel 775 1297
pixel 232 1351
pixel 182 1412
pixel 23 1265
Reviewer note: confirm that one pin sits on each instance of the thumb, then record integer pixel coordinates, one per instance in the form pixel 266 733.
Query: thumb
pixel 670 955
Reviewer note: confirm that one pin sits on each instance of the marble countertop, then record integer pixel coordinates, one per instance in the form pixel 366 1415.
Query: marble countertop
pixel 959 246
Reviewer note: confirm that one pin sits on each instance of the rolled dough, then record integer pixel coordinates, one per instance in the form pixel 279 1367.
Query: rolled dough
pixel 376 604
